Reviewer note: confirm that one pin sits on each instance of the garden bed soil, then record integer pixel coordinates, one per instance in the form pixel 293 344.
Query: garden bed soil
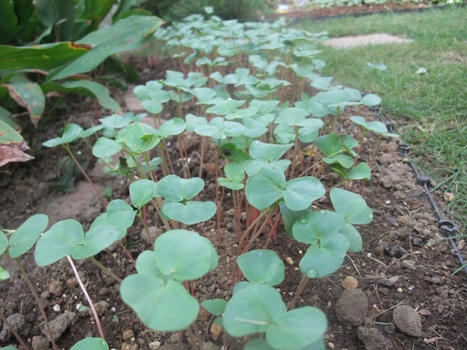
pixel 403 261
pixel 362 10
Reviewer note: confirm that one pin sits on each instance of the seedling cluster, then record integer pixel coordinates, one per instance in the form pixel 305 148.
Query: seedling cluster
pixel 246 88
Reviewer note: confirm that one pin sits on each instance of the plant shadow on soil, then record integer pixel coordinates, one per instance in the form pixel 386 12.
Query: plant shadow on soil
pixel 402 261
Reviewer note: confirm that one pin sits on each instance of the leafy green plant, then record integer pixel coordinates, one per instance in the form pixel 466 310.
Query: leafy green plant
pixel 255 138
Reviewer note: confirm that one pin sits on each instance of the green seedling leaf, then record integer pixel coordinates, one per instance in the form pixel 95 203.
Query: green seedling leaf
pixel 102 220
pixel 95 240
pixel 253 310
pixel 235 175
pixel 175 189
pixel 58 242
pixel 164 307
pixel 203 95
pixel 190 212
pixel 360 172
pixel 146 264
pixel 152 96
pixel 267 152
pixel 325 257
pixel 214 306
pixel 315 226
pixel 375 126
pixel 184 255
pixel 105 147
pixel 351 206
pixel 218 128
pixel 329 144
pixel 153 164
pixel 225 107
pixel 120 214
pixel 91 343
pixel 297 329
pixel 141 192
pixel 284 134
pixel 371 100
pixel 240 286
pixel 3 243
pixel 354 237
pixel 27 234
pixel 88 132
pixel 264 107
pixel 291 116
pixel 253 128
pixel 379 66
pixel 71 133
pixel 172 127
pixel 193 121
pixel 262 267
pixel 291 216
pixel 258 344
pixel 321 83
pixel 264 188
pixel 4 275
pixel 138 137
pixel 344 160
pixel 299 193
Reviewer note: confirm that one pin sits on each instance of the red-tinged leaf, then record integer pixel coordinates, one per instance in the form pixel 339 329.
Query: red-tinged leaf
pixel 12 154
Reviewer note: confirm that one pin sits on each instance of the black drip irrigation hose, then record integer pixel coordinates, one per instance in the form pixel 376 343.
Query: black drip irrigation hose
pixel 447 227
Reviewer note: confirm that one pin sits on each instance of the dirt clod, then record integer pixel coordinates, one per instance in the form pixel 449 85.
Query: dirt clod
pixel 352 307
pixel 407 320
pixel 373 339
pixel 40 343
pixel 16 321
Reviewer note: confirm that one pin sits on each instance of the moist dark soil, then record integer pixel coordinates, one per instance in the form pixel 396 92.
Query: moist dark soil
pixel 403 261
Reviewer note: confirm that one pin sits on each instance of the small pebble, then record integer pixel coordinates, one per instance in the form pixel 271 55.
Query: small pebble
pixel 154 345
pixel 128 334
pixel 399 290
pixel 56 307
pixel 289 260
pixel 350 282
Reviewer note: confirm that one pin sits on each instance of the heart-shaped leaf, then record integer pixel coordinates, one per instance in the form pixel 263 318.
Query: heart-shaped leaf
pixel 141 192
pixel 164 307
pixel 190 212
pixel 175 189
pixel 315 226
pixel 27 234
pixel 351 206
pixel 301 192
pixel 91 343
pixel 265 187
pixel 95 240
pixel 262 267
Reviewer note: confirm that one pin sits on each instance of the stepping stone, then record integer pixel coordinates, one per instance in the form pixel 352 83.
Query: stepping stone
pixel 347 42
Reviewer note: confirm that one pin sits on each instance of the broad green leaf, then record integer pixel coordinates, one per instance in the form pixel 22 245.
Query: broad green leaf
pixel 351 206
pixel 3 243
pixel 141 192
pixel 264 188
pixel 354 237
pixel 40 56
pixel 344 160
pixel 371 100
pixel 120 214
pixel 91 343
pixel 27 234
pixel 87 88
pixel 138 137
pixel 190 212
pixel 30 96
pixel 299 193
pixel 267 152
pixel 264 107
pixel 253 310
pixel 175 189
pixel 258 344
pixel 165 307
pixel 95 240
pixel 146 264
pixel 291 216
pixel 329 144
pixel 102 220
pixel 262 267
pixel 127 34
pixel 58 242
pixel 323 258
pixel 105 147
pixel 183 255
pixel 4 275
pixel 316 226
pixel 297 329
pixel 214 306
pixel 360 172
pixel 171 127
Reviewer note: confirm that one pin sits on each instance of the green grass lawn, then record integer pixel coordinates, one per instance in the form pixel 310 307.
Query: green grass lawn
pixel 433 105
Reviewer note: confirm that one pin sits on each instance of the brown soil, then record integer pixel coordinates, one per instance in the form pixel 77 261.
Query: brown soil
pixel 364 9
pixel 402 261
